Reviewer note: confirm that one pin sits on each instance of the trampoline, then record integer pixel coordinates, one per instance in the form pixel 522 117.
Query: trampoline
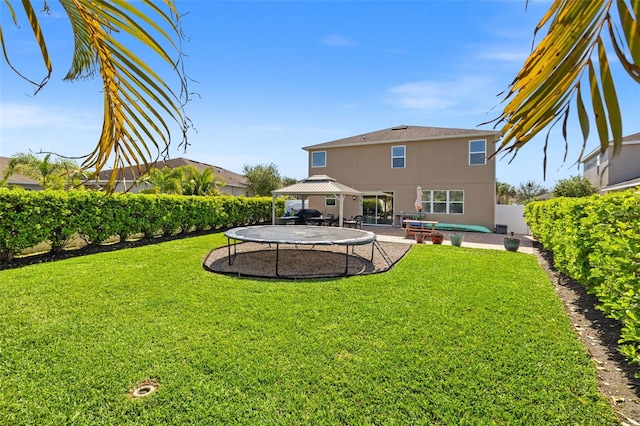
pixel 299 235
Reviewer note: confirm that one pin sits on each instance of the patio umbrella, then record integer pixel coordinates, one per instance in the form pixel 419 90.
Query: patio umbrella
pixel 418 204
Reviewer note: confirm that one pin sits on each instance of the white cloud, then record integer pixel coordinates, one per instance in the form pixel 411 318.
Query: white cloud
pixel 19 115
pixel 422 95
pixel 517 56
pixel 396 51
pixel 338 41
pixel 467 93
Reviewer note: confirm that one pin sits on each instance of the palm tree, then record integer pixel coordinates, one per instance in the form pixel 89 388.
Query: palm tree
pixel 543 91
pixel 139 105
pixel 184 180
pixel 205 183
pixel 164 181
pixel 58 174
pixel 504 192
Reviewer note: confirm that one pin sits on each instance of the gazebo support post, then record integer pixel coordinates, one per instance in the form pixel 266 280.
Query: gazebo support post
pixel 273 210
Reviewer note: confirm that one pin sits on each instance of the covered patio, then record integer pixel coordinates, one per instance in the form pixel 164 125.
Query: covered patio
pixel 316 185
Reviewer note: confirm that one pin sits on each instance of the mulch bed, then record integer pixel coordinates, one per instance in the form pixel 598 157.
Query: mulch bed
pixel 33 259
pixel 599 334
pixel 259 260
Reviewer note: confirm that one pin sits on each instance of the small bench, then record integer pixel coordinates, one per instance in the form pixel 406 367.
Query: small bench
pixel 411 227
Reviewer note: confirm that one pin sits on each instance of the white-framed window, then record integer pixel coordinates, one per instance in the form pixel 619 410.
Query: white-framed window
pixel 329 200
pixel 398 155
pixel 443 201
pixel 319 159
pixel 477 152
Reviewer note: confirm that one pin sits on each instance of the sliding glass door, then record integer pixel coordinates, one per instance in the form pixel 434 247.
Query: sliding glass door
pixel 377 208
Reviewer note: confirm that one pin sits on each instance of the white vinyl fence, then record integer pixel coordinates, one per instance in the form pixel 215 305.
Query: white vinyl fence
pixel 512 215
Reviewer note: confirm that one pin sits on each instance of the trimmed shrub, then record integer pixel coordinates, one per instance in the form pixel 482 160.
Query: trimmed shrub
pixel 20 225
pixel 596 240
pixel 28 218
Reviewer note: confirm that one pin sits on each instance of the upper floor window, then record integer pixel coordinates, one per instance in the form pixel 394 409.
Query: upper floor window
pixel 398 154
pixel 477 152
pixel 319 159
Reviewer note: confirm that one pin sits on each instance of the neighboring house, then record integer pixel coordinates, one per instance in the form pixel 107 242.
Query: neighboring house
pixel 235 183
pixel 17 179
pixel 614 174
pixel 450 165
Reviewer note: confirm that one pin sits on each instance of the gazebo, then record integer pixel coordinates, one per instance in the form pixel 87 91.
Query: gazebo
pixel 316 185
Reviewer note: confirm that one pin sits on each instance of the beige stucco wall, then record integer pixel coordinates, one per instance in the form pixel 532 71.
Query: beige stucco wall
pixel 234 190
pixel 433 165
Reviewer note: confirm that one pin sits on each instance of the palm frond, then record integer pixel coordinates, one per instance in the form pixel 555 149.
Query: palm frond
pixel 137 100
pixel 34 23
pixel 550 79
pixel 140 107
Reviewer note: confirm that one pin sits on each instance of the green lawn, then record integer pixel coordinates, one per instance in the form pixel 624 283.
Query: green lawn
pixel 449 336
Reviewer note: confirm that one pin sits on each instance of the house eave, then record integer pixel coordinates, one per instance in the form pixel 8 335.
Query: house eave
pixel 632 183
pixel 597 150
pixel 331 145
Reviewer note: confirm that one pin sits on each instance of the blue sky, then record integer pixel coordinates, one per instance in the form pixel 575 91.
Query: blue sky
pixel 273 77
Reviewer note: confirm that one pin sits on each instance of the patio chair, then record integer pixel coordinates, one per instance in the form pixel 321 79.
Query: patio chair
pixel 354 222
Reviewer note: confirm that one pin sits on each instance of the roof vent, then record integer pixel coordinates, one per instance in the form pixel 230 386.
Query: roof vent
pixel 400 128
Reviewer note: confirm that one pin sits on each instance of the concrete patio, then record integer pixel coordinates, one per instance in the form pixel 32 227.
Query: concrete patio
pixel 471 239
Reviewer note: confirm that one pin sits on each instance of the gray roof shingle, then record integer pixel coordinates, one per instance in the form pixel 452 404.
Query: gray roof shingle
pixel 405 134
pixel 16 178
pixel 230 178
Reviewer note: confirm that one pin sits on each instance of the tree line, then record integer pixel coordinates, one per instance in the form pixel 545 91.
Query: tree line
pixel 574 186
pixel 59 173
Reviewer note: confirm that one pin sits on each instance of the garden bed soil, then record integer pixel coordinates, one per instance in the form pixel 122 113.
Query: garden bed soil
pixel 83 250
pixel 599 334
pixel 259 260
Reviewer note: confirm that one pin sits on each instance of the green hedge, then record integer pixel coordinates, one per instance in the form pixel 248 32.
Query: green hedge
pixel 596 240
pixel 54 217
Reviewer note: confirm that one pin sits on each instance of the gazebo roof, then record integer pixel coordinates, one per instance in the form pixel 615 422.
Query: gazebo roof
pixel 316 185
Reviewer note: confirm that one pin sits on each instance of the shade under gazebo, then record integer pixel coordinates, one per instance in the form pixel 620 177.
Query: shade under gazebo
pixel 316 185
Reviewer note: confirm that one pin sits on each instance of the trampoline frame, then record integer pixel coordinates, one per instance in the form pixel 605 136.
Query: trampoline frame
pixel 365 237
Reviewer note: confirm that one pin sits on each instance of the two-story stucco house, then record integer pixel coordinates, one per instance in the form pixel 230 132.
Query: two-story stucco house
pixel 614 174
pixel 450 165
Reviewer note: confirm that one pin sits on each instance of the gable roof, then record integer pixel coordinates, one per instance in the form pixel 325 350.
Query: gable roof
pixel 633 137
pixel 627 140
pixel 16 178
pixel 406 134
pixel 230 178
